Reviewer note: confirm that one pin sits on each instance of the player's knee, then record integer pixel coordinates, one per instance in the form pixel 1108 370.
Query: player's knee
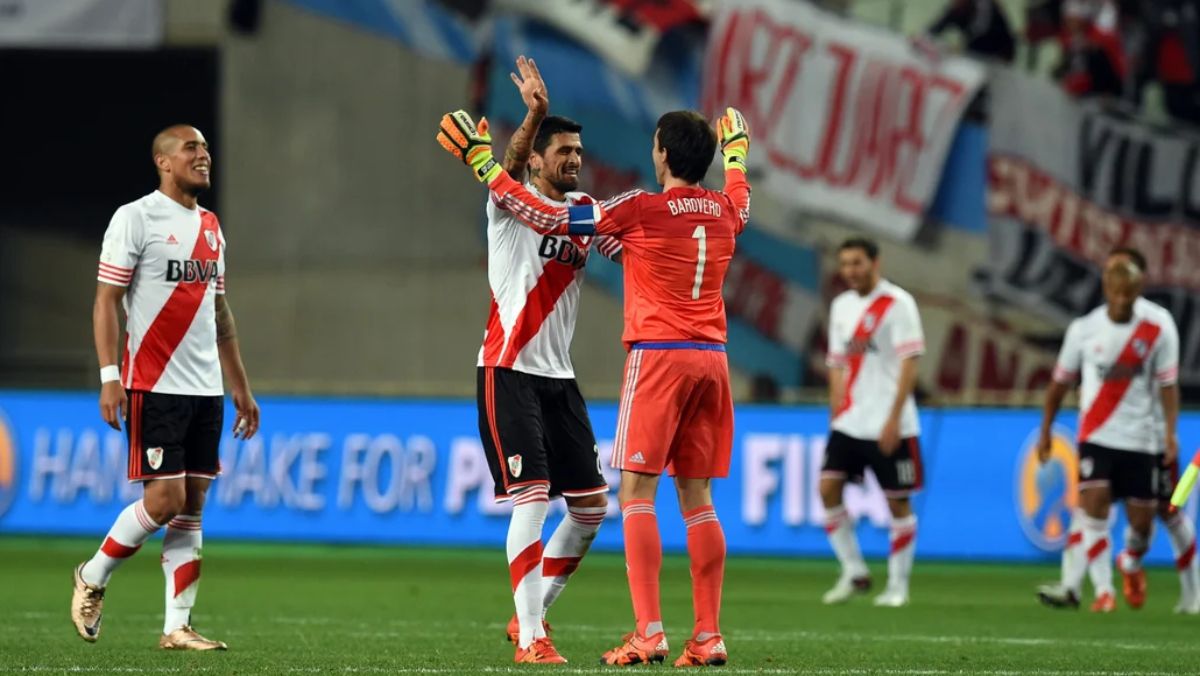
pixel 164 503
pixel 900 507
pixel 193 503
pixel 831 493
pixel 589 501
pixel 1164 511
pixel 693 493
pixel 637 486
pixel 195 493
pixel 1141 518
pixel 1095 502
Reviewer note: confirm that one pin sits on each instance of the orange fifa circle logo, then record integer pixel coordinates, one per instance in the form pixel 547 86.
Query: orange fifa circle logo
pixel 8 465
pixel 1045 495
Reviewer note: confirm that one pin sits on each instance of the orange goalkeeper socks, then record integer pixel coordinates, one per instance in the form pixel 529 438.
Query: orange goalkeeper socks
pixel 706 549
pixel 643 561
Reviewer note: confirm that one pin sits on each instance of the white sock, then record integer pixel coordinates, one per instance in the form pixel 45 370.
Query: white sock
pixel 1183 542
pixel 1074 545
pixel 903 535
pixel 844 541
pixel 566 548
pixel 181 568
pixel 1130 558
pixel 1097 555
pixel 132 528
pixel 525 559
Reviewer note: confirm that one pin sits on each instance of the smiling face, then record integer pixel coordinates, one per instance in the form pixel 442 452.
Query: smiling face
pixel 182 158
pixel 560 162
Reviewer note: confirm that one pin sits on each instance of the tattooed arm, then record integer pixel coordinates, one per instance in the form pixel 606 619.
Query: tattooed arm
pixel 533 92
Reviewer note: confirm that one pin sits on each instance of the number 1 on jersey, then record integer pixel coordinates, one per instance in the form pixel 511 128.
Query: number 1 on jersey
pixel 700 234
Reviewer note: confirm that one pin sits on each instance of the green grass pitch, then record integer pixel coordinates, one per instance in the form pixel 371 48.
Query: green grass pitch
pixel 304 609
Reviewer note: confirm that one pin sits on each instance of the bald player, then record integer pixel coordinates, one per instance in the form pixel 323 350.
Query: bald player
pixel 163 261
pixel 1125 355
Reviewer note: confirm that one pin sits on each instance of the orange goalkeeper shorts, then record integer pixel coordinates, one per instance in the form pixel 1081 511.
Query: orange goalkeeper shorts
pixel 676 411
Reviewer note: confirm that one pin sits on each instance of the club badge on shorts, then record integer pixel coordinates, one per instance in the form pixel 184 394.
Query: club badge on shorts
pixel 514 465
pixel 154 456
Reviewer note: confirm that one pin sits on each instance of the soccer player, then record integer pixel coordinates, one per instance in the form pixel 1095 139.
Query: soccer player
pixel 676 410
pixel 875 340
pixel 163 258
pixel 532 418
pixel 1126 355
pixel 1180 530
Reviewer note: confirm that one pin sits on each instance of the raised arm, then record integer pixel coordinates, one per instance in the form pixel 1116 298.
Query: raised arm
pixel 734 137
pixel 537 102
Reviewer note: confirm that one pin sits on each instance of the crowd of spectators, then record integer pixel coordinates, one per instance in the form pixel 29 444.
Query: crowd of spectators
pixel 1109 48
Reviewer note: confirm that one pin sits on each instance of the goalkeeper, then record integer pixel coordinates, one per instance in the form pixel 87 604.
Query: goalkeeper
pixel 676 410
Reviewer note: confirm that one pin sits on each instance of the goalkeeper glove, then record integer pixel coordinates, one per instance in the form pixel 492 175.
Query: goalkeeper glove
pixel 462 139
pixel 734 137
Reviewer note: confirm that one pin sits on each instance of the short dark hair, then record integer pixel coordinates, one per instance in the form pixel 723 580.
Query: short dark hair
pixel 551 125
pixel 868 246
pixel 690 143
pixel 1134 255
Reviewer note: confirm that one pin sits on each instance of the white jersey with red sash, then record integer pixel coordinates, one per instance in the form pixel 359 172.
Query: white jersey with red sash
pixel 1121 368
pixel 869 336
pixel 535 281
pixel 172 259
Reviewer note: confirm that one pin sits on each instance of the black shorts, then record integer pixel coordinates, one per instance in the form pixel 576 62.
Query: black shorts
pixel 1128 474
pixel 899 474
pixel 173 435
pixel 535 430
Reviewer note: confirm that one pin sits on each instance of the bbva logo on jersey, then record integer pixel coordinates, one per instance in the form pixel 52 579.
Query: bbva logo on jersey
pixel 191 271
pixel 564 251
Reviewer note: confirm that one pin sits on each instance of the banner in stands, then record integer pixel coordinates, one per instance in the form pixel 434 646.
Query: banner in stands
pixel 1068 182
pixel 410 472
pixel 847 119
pixel 92 24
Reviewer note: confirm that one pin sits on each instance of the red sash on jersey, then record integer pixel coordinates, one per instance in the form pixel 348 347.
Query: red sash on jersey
pixel 867 326
pixel 171 325
pixel 1112 391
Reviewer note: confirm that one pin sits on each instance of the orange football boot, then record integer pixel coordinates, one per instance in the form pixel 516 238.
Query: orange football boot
pixel 708 653
pixel 637 650
pixel 1104 603
pixel 514 630
pixel 1134 588
pixel 541 651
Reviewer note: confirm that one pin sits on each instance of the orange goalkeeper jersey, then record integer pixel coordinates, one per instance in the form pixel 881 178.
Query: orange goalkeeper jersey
pixel 677 248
